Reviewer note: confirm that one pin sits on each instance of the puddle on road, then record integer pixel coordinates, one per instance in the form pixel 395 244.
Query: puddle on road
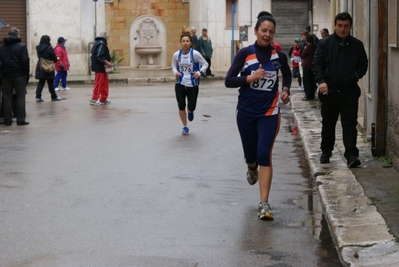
pixel 317 224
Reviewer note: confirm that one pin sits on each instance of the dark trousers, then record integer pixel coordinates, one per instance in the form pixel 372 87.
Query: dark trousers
pixel 309 83
pixel 191 93
pixel 50 84
pixel 61 75
pixel 297 74
pixel 19 85
pixel 345 105
pixel 257 137
pixel 208 70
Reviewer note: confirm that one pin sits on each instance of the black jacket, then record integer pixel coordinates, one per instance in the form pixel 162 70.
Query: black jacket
pixel 99 54
pixel 47 52
pixel 14 57
pixel 340 63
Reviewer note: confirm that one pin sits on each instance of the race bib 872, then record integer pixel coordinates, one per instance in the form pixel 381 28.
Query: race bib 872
pixel 265 84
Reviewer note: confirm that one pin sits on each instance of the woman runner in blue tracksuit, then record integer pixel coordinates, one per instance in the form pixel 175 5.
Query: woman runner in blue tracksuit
pixel 258 114
pixel 187 66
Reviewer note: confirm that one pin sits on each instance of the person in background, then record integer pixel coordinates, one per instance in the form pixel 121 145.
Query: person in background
pixel 205 47
pixel 194 38
pixel 338 64
pixel 315 38
pixel 62 65
pixel 324 33
pixel 255 70
pixel 46 51
pixel 309 82
pixel 187 66
pixel 295 57
pixel 15 71
pixel 100 58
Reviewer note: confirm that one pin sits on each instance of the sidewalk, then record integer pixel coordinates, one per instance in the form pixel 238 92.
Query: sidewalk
pixel 353 198
pixel 361 205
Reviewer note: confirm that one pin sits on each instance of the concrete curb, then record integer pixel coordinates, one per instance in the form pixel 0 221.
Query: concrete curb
pixel 359 231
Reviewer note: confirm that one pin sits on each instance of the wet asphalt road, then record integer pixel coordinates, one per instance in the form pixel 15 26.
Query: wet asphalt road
pixel 118 185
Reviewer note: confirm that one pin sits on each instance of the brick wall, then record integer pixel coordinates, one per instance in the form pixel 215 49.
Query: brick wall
pixel 122 13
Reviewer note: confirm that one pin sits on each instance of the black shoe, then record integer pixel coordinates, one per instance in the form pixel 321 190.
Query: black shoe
pixel 325 158
pixel 353 162
pixel 212 75
pixel 56 99
pixel 22 123
pixel 39 100
pixel 7 123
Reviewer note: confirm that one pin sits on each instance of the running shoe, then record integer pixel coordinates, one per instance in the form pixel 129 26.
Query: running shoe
pixel 264 212
pixel 191 115
pixel 252 176
pixel 185 131
pixel 56 89
pixel 66 89
pixel 92 102
pixel 99 103
pixel 107 102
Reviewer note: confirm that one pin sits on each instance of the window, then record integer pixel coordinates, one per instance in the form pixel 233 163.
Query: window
pixel 229 12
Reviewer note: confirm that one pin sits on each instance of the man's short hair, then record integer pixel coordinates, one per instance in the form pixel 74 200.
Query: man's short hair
pixel 343 16
pixel 13 31
pixel 204 29
pixel 325 30
pixel 103 34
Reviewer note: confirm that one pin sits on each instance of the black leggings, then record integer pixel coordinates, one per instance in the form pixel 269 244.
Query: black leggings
pixel 190 92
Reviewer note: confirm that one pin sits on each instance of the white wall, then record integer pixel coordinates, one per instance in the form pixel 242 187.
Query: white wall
pixel 211 14
pixel 74 20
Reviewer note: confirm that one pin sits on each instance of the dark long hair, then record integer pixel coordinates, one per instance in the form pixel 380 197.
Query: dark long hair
pixel 262 16
pixel 45 39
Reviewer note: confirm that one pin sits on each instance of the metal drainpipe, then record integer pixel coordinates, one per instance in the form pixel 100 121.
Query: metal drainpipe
pixel 333 12
pixel 88 57
pixel 345 5
pixel 374 67
pixel 250 15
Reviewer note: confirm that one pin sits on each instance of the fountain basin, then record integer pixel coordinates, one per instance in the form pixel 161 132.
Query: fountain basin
pixel 148 50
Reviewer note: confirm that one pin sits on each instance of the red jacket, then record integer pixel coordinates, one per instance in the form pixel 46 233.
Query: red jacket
pixel 63 63
pixel 277 46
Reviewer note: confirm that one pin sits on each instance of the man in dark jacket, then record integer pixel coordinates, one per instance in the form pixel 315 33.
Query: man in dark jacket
pixel 100 58
pixel 15 71
pixel 339 62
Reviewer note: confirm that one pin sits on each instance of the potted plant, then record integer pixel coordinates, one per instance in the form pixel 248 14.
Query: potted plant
pixel 116 59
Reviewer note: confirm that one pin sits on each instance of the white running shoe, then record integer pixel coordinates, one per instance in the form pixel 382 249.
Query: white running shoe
pixel 57 89
pixel 66 89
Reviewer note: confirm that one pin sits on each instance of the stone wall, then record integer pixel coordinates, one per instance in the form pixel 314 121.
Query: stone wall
pixel 122 13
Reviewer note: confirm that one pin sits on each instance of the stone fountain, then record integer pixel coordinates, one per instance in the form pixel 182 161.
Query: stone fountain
pixel 148 46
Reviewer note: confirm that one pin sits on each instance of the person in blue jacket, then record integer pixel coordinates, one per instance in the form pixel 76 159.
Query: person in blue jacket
pixel 255 70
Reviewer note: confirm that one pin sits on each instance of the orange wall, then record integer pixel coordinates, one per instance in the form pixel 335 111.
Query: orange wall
pixel 121 14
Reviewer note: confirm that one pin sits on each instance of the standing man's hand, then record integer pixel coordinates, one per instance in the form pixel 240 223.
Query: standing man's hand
pixel 323 88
